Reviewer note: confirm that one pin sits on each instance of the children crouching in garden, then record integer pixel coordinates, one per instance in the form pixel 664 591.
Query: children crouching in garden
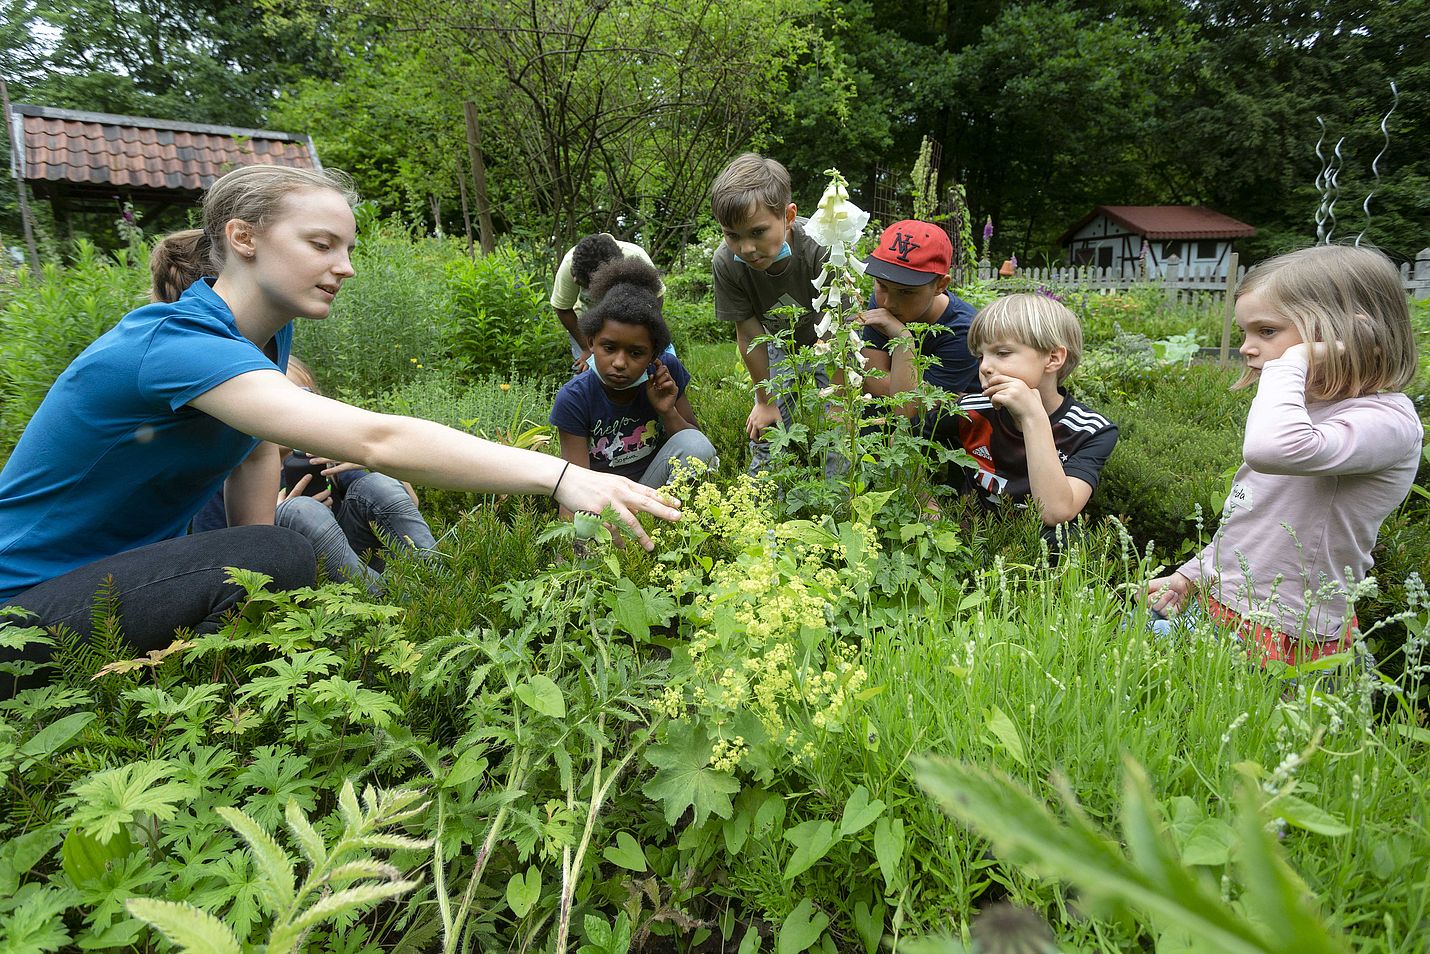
pixel 1331 449
pixel 170 405
pixel 627 413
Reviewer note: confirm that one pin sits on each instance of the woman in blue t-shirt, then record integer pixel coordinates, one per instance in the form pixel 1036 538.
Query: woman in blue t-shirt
pixel 186 396
pixel 627 413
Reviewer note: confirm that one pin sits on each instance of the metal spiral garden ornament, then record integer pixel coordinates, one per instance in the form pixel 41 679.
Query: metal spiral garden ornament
pixel 1327 187
pixel 1375 163
pixel 1328 179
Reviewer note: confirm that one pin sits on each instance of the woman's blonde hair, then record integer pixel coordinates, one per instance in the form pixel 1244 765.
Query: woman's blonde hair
pixel 1345 294
pixel 252 194
pixel 1038 321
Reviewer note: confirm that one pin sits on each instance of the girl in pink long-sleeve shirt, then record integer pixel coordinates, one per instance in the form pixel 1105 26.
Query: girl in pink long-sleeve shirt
pixel 1331 450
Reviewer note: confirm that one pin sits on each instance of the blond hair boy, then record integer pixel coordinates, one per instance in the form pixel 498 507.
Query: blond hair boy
pixel 1032 441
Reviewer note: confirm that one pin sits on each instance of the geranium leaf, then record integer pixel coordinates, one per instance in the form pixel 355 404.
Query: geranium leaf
pixel 684 778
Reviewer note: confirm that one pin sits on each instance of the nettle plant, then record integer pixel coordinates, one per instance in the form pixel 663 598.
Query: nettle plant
pixel 842 442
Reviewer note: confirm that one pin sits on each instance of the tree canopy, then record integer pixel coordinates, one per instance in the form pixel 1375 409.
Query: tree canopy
pixel 617 114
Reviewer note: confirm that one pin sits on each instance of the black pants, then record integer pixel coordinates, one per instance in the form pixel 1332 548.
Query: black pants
pixel 159 588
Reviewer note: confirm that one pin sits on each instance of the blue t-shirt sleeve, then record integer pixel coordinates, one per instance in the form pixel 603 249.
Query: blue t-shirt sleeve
pixel 678 374
pixel 570 412
pixel 191 354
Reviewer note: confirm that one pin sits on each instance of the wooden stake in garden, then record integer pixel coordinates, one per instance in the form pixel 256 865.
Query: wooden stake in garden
pixel 17 166
pixel 1230 310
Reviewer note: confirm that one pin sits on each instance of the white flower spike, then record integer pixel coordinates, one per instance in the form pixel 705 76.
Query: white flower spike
pixel 837 221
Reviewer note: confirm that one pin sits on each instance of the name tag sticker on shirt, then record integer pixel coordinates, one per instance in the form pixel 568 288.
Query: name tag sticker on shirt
pixel 1239 498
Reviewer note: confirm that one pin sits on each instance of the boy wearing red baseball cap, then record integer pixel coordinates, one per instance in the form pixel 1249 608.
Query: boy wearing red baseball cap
pixel 910 270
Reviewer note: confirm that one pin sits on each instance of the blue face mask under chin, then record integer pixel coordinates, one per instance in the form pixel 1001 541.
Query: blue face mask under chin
pixel 591 363
pixel 783 254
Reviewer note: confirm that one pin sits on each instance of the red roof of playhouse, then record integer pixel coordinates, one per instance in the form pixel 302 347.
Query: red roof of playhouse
pixel 1167 222
pixel 101 149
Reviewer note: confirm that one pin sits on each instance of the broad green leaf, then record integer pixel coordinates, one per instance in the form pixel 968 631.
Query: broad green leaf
pixel 770 815
pixel 86 858
pixel 801 929
pixel 522 891
pixel 750 943
pixel 123 934
pixel 1209 843
pixel 1303 814
pixel 859 812
pixel 812 841
pixel 469 765
pixel 53 736
pixel 543 695
pixel 626 852
pixel 185 926
pixel 1005 733
pixel 272 861
pixel 869 924
pixel 684 778
pixel 20 854
pixel 889 848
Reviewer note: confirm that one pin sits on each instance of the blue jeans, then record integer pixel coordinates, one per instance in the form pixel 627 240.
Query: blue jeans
pixel 160 588
pixel 346 538
pixel 688 444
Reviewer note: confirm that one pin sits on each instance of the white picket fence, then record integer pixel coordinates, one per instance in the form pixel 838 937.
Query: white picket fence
pixel 1193 286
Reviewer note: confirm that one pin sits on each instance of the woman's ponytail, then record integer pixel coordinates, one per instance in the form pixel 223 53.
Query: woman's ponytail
pixel 177 262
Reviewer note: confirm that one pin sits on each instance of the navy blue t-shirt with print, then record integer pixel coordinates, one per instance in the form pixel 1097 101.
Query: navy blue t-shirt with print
pixel 955 368
pixel 621 438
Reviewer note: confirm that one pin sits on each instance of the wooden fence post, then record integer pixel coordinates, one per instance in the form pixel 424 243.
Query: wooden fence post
pixel 1422 274
pixel 1171 275
pixel 1230 309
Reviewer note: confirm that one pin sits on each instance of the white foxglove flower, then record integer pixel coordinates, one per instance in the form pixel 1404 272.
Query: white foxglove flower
pixel 826 323
pixel 837 221
pixel 818 283
pixel 836 254
pixel 855 379
pixel 818 303
pixel 823 345
pixel 827 392
pixel 858 265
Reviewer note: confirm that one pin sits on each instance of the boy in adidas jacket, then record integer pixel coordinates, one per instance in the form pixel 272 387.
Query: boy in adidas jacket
pixel 1032 442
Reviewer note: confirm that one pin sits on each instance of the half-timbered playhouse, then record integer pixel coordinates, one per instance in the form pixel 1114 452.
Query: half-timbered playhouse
pixel 1196 240
pixel 95 162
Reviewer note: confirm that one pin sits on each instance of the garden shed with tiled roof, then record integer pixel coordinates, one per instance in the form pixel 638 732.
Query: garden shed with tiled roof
pixel 1194 239
pixel 84 161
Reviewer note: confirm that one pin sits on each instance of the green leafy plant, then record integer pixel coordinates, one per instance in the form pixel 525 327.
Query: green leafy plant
pixel 341 877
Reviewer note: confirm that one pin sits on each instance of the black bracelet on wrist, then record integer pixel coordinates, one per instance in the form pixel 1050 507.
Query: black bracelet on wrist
pixel 557 485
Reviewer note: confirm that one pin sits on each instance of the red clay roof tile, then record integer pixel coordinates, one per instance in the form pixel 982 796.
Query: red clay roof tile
pixel 62 145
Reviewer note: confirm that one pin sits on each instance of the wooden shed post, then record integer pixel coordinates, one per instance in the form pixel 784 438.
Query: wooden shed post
pixel 17 164
pixel 1230 313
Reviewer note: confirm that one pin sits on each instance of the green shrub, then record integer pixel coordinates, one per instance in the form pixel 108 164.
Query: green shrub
pixel 695 323
pixel 393 315
pixel 511 411
pixel 48 320
pixel 1180 441
pixel 503 324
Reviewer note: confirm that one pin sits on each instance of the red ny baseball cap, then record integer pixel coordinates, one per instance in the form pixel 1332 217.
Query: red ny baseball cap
pixel 911 253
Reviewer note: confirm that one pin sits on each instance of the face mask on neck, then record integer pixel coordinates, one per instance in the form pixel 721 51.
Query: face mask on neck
pixel 591 363
pixel 783 254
